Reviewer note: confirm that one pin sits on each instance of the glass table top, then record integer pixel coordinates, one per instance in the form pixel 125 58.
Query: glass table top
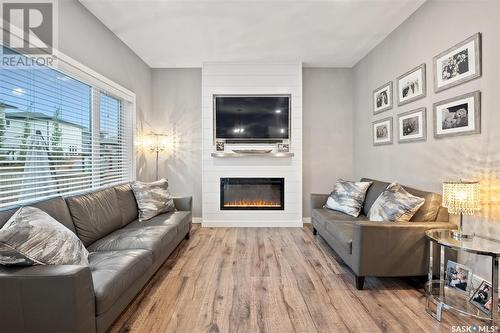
pixel 478 245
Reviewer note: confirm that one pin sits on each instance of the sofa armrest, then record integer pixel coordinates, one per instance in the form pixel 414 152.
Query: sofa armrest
pixel 184 204
pixel 392 248
pixel 318 200
pixel 47 299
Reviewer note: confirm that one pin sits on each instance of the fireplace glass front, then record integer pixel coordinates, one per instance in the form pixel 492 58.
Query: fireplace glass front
pixel 252 193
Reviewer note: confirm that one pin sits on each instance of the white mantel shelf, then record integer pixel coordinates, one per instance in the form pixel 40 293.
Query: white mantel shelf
pixel 232 155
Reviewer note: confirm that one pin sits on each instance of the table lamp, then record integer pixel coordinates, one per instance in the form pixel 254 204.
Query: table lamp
pixel 461 198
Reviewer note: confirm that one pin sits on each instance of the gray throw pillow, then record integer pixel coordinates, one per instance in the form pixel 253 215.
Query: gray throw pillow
pixel 395 204
pixel 152 198
pixel 32 237
pixel 348 197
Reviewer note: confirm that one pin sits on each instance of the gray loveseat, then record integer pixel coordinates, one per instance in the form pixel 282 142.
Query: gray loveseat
pixel 380 249
pixel 124 254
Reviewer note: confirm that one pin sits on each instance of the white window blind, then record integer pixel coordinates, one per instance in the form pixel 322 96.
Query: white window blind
pixel 63 136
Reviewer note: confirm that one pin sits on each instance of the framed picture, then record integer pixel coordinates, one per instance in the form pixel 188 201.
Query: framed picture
pixel 382 98
pixel 412 126
pixel 411 85
pixel 458 276
pixel 219 145
pixel 283 147
pixel 382 132
pixel 458 115
pixel 481 298
pixel 458 64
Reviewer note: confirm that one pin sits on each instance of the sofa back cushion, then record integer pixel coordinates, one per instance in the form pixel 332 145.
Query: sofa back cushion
pixel 427 213
pixel 55 207
pixel 95 214
pixel 127 203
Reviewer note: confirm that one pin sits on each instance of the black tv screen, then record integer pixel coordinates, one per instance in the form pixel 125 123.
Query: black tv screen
pixel 252 117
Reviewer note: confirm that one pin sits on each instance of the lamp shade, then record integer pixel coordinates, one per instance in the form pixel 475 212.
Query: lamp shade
pixel 461 197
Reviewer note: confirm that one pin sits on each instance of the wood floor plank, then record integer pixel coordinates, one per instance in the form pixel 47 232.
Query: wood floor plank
pixel 271 280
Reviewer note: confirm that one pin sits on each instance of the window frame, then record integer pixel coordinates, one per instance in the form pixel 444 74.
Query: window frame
pixel 98 83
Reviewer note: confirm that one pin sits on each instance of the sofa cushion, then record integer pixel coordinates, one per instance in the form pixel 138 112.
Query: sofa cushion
pixel 55 207
pixel 127 203
pixel 342 231
pixel 373 193
pixel 95 214
pixel 114 271
pixel 348 197
pixel 33 237
pixel 395 204
pixel 152 238
pixel 427 213
pixel 179 219
pixel 152 198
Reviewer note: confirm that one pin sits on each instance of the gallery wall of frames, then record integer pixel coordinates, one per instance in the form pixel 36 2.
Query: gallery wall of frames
pixel 459 115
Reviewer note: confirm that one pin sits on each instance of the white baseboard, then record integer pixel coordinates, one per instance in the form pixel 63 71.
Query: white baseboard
pixel 306 220
pixel 197 220
pixel 252 224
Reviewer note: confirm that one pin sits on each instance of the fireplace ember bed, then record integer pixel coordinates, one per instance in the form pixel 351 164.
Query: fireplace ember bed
pixel 252 194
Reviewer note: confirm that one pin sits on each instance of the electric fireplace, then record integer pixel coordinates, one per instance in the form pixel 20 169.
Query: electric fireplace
pixel 252 194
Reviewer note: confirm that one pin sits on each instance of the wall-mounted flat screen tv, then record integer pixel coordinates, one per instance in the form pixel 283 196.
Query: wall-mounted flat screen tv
pixel 252 117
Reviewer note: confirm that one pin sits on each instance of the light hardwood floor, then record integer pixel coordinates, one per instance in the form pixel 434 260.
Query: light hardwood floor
pixel 271 280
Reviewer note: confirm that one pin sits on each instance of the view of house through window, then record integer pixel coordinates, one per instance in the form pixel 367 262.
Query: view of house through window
pixel 49 142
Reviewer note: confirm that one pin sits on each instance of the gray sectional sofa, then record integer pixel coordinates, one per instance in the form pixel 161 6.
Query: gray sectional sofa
pixel 380 249
pixel 124 254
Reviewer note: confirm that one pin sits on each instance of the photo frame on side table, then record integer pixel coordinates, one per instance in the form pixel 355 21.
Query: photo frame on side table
pixel 481 298
pixel 458 276
pixel 458 64
pixel 382 132
pixel 382 98
pixel 411 86
pixel 412 126
pixel 459 115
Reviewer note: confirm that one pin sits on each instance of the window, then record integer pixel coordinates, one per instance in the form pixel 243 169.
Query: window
pixel 60 136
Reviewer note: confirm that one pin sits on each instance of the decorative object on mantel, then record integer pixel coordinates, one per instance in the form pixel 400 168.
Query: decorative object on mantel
pixel 458 64
pixel 382 132
pixel 156 143
pixel 219 145
pixel 411 85
pixel 412 126
pixel 283 147
pixel 458 116
pixel 461 198
pixel 382 98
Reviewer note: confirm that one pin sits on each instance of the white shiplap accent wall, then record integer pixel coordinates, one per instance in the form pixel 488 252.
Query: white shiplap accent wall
pixel 244 78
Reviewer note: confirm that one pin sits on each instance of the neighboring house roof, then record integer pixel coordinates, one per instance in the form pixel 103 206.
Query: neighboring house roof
pixel 7 106
pixel 37 116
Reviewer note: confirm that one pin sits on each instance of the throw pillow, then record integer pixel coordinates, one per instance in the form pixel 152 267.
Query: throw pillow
pixel 32 237
pixel 152 199
pixel 348 197
pixel 395 204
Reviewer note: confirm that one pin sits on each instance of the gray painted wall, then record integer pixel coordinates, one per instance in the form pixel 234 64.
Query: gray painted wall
pixel 433 28
pixel 177 111
pixel 327 130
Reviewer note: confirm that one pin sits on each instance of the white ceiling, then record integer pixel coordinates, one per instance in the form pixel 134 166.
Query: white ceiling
pixel 334 33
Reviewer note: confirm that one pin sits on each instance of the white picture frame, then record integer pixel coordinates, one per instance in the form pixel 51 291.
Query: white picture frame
pixel 412 86
pixel 382 132
pixel 383 98
pixel 458 276
pixel 412 126
pixel 458 64
pixel 459 115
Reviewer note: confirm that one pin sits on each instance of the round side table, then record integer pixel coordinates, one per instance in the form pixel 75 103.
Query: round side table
pixel 445 297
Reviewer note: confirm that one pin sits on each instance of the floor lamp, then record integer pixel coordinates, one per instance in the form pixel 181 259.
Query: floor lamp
pixel 157 145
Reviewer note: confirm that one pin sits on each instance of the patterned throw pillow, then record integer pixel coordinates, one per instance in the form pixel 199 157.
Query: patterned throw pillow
pixel 395 204
pixel 152 199
pixel 348 197
pixel 32 237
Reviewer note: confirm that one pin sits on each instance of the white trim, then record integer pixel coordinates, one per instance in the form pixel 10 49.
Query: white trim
pixel 196 220
pixel 252 224
pixel 306 220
